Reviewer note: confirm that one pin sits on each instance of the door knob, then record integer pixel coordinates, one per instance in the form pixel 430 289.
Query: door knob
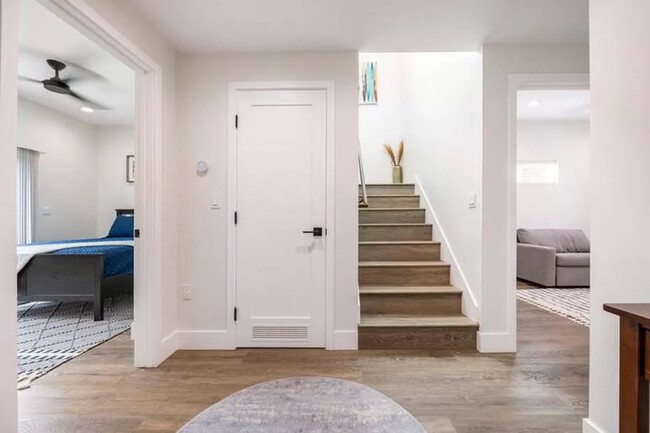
pixel 317 231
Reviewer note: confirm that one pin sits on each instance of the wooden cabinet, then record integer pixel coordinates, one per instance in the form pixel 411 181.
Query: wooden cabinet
pixel 634 365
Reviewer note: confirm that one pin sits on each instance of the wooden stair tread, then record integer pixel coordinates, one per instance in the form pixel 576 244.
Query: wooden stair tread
pixel 385 321
pixel 399 290
pixel 399 243
pixel 392 209
pixel 403 264
pixel 389 184
pixel 394 224
pixel 371 195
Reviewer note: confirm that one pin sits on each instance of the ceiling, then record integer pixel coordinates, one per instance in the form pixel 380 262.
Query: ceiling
pixel 553 104
pixel 366 25
pixel 105 79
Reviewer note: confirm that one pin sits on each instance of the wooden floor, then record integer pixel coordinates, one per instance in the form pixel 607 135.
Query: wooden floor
pixel 541 389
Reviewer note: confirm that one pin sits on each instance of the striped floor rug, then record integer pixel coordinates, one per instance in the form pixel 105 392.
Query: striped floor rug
pixel 51 333
pixel 570 303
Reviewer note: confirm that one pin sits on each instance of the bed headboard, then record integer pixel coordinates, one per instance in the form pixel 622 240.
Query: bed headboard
pixel 120 212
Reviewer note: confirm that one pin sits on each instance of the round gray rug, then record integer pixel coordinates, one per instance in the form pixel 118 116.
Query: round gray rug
pixel 305 404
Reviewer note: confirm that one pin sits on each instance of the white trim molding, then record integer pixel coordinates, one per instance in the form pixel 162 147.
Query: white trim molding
pixel 458 279
pixel 588 426
pixel 9 17
pixel 495 342
pixel 330 272
pixel 204 340
pixel 151 348
pixel 345 340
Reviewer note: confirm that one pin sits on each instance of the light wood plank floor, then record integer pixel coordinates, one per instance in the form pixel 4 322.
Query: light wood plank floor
pixel 541 389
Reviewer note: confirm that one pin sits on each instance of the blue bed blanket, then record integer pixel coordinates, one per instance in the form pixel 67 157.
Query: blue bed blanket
pixel 118 259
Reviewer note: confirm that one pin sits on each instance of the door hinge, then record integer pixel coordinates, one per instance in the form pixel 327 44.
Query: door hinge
pixel 236 121
pixel 136 233
pixel 236 217
pixel 235 314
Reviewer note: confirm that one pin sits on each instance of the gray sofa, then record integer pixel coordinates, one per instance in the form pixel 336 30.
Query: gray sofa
pixel 553 258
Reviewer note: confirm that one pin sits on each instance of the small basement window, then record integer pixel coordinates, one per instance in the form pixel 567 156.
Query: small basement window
pixel 538 172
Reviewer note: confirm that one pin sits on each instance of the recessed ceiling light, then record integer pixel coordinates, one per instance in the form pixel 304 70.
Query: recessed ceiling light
pixel 534 103
pixel 87 109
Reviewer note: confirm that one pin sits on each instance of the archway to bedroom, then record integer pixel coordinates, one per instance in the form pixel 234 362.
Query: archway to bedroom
pixel 75 194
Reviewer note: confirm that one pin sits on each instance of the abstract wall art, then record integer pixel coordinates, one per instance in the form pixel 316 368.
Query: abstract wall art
pixel 367 83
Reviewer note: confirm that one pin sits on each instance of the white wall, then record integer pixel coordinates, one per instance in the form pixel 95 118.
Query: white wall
pixel 564 205
pixel 81 172
pixel 620 137
pixel 203 130
pixel 113 144
pixel 498 310
pixel 66 195
pixel 8 102
pixel 433 102
pixel 384 122
pixel 130 23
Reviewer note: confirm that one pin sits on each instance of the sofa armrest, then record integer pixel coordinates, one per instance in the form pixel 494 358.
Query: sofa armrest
pixel 536 263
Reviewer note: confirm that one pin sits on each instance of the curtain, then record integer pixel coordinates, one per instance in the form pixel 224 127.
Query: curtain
pixel 26 171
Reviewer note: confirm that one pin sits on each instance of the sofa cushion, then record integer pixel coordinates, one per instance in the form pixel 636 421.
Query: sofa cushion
pixel 563 240
pixel 573 260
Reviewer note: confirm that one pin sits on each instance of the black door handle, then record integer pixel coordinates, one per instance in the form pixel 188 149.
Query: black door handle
pixel 317 232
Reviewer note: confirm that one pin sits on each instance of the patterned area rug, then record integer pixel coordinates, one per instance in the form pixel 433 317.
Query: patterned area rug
pixel 305 404
pixel 51 333
pixel 570 303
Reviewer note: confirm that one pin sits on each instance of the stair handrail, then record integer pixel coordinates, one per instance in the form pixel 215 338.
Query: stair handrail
pixel 363 201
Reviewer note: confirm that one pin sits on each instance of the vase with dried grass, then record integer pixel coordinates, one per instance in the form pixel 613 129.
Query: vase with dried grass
pixel 396 161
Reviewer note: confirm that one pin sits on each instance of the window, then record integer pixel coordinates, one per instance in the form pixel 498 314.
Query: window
pixel 538 172
pixel 26 171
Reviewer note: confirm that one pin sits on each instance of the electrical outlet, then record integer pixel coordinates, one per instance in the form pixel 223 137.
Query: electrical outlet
pixel 187 292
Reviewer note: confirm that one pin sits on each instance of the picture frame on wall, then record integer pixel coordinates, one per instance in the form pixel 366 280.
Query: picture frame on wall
pixel 368 94
pixel 130 168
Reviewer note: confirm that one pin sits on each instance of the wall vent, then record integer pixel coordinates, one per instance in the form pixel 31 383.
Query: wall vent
pixel 279 332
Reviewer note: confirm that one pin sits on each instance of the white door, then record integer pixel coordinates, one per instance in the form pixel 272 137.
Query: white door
pixel 281 194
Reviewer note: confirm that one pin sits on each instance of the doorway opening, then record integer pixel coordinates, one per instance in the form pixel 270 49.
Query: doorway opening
pixel 553 192
pixel 549 195
pixel 75 178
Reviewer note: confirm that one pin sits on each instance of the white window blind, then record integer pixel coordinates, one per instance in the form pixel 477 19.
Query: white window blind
pixel 538 172
pixel 26 171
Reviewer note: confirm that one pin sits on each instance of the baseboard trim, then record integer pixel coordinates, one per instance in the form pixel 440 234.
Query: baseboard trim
pixel 470 304
pixel 345 340
pixel 168 346
pixel 588 426
pixel 496 342
pixel 204 340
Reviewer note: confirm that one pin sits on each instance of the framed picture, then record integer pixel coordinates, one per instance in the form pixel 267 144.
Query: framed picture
pixel 367 83
pixel 130 168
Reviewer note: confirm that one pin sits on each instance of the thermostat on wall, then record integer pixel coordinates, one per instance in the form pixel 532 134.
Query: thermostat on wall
pixel 202 167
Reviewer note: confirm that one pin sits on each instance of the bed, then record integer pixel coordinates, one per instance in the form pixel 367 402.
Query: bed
pixel 87 270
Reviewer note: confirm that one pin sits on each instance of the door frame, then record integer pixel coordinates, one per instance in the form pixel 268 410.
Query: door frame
pixel 231 283
pixel 516 82
pixel 149 348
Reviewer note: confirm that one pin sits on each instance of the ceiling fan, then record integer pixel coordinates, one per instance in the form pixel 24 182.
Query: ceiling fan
pixel 61 86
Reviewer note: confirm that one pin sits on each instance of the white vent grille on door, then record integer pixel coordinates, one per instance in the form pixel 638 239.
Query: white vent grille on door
pixel 279 332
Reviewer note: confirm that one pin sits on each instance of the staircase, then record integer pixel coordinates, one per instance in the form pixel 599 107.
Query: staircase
pixel 407 301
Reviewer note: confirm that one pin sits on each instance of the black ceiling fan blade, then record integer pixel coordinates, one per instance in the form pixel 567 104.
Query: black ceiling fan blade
pixel 29 80
pixel 92 104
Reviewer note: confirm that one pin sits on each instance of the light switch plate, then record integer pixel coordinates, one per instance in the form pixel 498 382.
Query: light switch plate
pixel 215 201
pixel 473 200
